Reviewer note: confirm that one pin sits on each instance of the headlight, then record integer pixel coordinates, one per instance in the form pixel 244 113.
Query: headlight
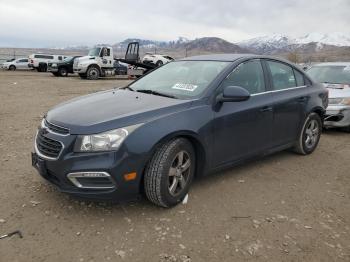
pixel 107 141
pixel 339 101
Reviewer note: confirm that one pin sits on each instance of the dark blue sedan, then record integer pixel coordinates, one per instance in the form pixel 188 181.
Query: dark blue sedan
pixel 186 119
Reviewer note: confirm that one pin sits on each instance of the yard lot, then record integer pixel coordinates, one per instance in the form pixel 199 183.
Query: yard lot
pixel 283 207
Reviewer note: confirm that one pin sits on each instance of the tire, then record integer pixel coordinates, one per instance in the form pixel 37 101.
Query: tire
pixel 347 129
pixel 63 71
pixel 159 63
pixel 55 73
pixel 83 76
pixel 38 69
pixel 12 68
pixel 309 135
pixel 166 181
pixel 93 73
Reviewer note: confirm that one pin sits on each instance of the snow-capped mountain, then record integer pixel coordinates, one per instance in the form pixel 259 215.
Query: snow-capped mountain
pixel 265 44
pixel 272 43
pixel 336 38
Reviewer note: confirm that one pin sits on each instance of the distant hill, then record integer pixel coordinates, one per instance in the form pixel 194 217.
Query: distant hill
pixel 213 45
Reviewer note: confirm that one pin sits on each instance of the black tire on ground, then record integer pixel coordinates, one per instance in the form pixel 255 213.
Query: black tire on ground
pixel 309 135
pixel 12 68
pixel 42 67
pixel 38 69
pixel 55 73
pixel 82 76
pixel 168 176
pixel 159 63
pixel 93 73
pixel 63 71
pixel 347 129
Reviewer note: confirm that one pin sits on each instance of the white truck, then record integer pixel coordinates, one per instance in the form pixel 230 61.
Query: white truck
pixel 40 61
pixel 100 62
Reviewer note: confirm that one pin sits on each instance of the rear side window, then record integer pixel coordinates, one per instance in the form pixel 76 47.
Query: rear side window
pixel 248 75
pixel 44 56
pixel 23 60
pixel 299 77
pixel 282 75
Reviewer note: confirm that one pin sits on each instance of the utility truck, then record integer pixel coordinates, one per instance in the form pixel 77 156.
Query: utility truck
pixel 100 62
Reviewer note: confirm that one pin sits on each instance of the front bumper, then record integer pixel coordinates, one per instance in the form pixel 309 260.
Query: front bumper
pixel 115 163
pixel 337 116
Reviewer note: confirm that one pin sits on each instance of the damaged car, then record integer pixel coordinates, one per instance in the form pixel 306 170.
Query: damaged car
pixel 336 77
pixel 186 119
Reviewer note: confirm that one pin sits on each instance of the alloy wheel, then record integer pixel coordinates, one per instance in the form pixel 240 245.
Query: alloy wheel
pixel 179 173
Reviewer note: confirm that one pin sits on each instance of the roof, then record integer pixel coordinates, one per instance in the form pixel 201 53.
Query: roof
pixel 218 57
pixel 333 64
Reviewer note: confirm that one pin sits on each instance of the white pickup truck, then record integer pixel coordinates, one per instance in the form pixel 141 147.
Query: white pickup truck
pixel 40 61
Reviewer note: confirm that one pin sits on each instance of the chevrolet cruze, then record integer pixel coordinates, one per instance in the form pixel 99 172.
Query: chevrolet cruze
pixel 185 119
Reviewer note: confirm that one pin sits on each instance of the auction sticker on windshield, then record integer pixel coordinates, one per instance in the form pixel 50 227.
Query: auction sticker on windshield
pixel 186 87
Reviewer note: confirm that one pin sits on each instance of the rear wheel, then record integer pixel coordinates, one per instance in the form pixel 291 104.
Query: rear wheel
pixel 169 174
pixel 63 71
pixel 12 68
pixel 310 135
pixel 159 63
pixel 93 73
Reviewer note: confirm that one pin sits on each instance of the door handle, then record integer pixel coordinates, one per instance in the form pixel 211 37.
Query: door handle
pixel 266 109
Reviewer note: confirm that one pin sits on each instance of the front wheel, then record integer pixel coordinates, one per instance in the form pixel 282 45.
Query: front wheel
pixel 93 73
pixel 12 68
pixel 310 135
pixel 170 172
pixel 63 71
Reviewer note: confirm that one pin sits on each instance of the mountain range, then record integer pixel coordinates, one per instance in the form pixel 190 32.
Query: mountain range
pixel 310 47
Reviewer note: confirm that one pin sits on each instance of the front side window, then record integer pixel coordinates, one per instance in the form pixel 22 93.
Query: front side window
pixel 248 75
pixel 282 75
pixel 182 79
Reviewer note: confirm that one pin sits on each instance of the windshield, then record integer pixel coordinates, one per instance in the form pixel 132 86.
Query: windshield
pixel 68 59
pixel 182 79
pixel 330 74
pixel 95 51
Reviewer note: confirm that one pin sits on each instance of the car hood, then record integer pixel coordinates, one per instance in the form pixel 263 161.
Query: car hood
pixel 112 109
pixel 84 58
pixel 338 90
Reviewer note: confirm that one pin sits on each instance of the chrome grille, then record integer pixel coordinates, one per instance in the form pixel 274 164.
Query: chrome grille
pixel 46 146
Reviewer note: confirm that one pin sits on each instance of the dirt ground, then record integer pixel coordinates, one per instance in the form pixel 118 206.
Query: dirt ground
pixel 284 207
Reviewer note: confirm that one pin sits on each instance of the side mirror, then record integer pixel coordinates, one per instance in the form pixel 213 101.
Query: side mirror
pixel 233 94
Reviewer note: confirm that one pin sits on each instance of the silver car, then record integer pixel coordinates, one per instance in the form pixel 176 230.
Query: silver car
pixel 336 77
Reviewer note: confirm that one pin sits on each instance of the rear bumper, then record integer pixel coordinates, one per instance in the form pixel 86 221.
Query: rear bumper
pixel 337 116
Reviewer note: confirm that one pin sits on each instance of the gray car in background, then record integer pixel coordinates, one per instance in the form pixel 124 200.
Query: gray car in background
pixel 336 77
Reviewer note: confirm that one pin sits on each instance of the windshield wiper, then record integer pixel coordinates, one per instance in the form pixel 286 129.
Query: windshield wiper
pixel 128 87
pixel 152 92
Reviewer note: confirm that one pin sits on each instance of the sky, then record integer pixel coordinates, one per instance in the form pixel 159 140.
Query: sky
pixel 47 23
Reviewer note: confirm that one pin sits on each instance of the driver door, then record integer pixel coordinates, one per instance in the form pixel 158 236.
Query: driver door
pixel 242 129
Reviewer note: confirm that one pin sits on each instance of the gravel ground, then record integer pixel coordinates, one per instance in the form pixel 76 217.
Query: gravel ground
pixel 283 207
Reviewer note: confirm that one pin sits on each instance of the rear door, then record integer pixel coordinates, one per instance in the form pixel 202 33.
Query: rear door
pixel 242 129
pixel 290 99
pixel 22 64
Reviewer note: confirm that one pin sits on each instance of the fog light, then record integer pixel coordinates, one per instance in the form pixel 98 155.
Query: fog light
pixel 91 180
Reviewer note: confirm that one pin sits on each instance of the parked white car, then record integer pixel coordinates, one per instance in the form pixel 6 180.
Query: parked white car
pixel 20 63
pixel 336 77
pixel 156 59
pixel 40 61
